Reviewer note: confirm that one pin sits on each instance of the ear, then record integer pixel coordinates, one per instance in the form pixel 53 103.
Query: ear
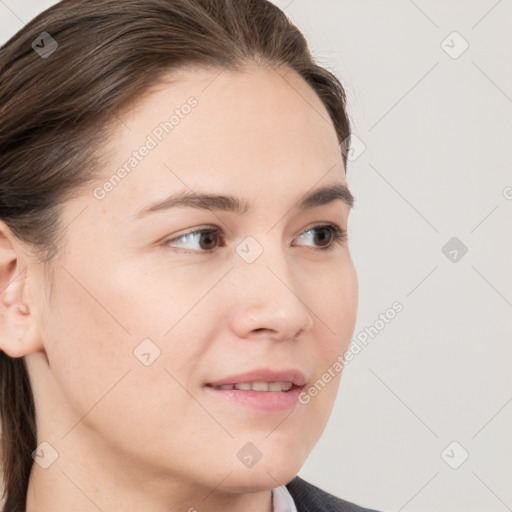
pixel 19 333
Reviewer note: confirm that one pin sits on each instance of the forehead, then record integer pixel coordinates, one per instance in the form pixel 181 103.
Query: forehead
pixel 257 105
pixel 256 130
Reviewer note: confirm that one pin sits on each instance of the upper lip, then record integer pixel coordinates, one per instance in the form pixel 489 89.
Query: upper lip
pixel 296 377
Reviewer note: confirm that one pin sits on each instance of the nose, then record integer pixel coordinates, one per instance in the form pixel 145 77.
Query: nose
pixel 270 299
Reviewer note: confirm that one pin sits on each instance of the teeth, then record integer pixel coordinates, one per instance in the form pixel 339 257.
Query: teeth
pixel 258 386
pixel 244 385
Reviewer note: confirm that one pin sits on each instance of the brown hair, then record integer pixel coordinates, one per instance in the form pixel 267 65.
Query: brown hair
pixel 54 113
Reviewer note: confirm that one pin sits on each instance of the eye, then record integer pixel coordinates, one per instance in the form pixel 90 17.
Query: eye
pixel 327 236
pixel 207 239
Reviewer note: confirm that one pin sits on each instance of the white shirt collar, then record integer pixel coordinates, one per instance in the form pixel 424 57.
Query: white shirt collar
pixel 282 500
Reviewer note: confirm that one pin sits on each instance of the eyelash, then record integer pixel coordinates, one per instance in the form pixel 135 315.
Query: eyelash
pixel 339 237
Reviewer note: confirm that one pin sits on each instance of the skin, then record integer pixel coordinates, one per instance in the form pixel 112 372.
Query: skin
pixel 134 437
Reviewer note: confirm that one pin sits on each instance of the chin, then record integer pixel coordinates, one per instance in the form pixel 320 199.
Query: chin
pixel 241 482
pixel 265 474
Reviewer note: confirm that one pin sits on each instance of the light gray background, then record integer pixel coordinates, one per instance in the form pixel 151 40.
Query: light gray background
pixel 437 132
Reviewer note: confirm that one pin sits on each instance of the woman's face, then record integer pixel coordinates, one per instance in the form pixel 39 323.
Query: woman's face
pixel 147 313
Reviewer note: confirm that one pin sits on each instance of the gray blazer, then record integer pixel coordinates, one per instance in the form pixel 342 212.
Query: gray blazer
pixel 309 498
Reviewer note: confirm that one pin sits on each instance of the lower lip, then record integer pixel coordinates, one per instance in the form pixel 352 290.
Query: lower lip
pixel 268 401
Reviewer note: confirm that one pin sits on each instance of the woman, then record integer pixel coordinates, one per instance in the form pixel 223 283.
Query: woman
pixel 175 272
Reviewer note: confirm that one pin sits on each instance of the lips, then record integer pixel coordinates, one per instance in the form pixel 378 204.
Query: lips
pixel 262 380
pixel 269 391
pixel 258 386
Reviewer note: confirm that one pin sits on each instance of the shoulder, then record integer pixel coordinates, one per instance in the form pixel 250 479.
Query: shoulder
pixel 309 498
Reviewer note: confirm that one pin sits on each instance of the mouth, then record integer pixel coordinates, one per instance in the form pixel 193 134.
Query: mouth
pixel 258 386
pixel 265 390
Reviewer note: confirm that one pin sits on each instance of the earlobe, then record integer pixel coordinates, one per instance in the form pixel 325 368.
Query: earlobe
pixel 19 334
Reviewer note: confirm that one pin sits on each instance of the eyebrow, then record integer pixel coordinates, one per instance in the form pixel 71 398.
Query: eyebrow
pixel 202 201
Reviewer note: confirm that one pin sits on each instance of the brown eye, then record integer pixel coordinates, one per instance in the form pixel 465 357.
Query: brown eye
pixel 325 237
pixel 201 240
pixel 209 239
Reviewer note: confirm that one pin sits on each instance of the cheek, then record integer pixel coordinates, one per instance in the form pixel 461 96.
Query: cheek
pixel 99 329
pixel 107 388
pixel 338 306
pixel 335 323
pixel 86 348
pixel 154 296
